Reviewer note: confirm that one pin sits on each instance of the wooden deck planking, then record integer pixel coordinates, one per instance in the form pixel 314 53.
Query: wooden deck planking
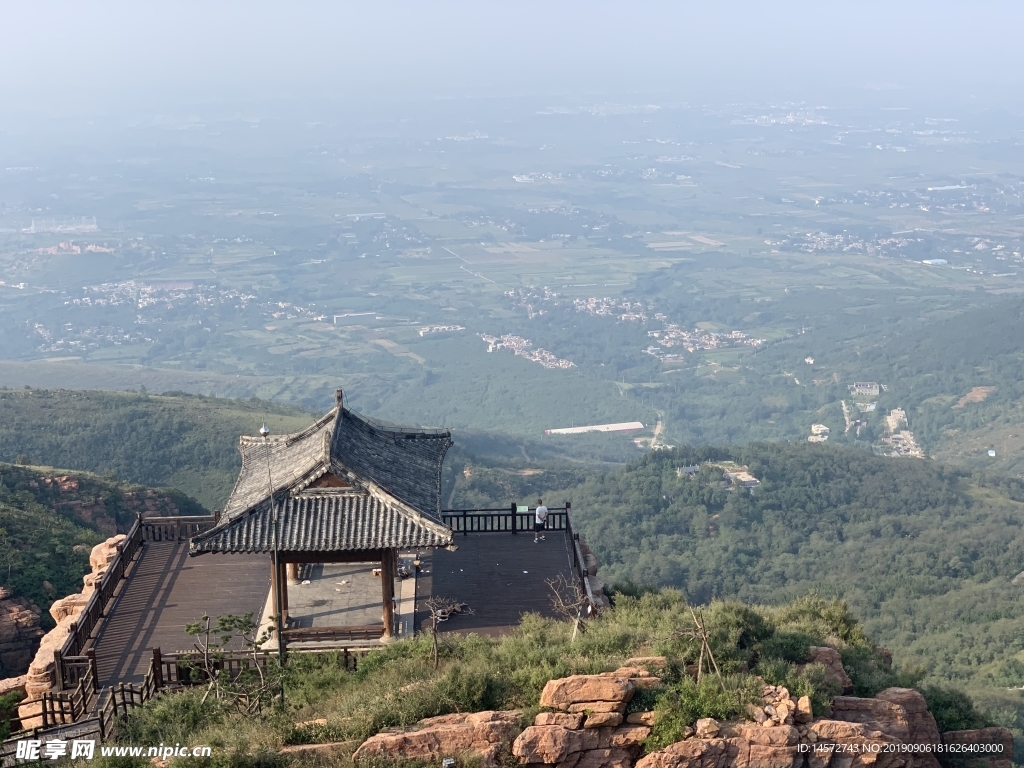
pixel 166 591
pixel 500 575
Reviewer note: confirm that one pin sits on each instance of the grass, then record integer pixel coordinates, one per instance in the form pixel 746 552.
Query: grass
pixel 398 685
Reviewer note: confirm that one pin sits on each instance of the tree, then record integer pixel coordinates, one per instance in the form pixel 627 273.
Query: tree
pixel 255 681
pixel 440 609
pixel 570 601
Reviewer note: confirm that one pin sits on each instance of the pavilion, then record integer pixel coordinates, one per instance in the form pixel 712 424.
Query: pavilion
pixel 343 490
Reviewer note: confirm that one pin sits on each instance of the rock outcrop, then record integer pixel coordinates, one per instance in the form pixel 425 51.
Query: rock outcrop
pixel 829 658
pixel 40 677
pixel 994 745
pixel 19 633
pixel 586 726
pixel 596 582
pixel 590 729
pixel 920 722
pixel 485 735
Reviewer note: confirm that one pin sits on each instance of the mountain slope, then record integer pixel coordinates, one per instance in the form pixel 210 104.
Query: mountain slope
pixel 188 442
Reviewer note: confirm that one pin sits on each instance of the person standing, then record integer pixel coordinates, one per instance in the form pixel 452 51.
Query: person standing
pixel 540 520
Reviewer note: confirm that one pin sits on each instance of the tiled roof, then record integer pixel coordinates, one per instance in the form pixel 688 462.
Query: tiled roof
pixel 392 479
pixel 292 457
pixel 405 462
pixel 326 522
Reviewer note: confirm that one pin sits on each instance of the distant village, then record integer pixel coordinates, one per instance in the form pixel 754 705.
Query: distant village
pixel 524 348
pixel 672 336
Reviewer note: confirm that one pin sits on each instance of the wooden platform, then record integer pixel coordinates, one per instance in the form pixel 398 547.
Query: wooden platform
pixel 500 575
pixel 166 591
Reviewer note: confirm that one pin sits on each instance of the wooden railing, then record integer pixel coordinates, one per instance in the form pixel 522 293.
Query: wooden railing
pixel 86 625
pixel 95 609
pixel 175 528
pixel 317 634
pixel 510 519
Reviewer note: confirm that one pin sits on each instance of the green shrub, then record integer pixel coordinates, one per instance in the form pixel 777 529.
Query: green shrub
pixel 8 709
pixel 171 718
pixel 827 621
pixel 735 631
pixel 789 645
pixel 683 704
pixel 953 710
pixel 812 682
pixel 870 673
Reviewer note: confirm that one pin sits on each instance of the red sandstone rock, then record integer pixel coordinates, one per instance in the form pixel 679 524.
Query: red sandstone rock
pixel 804 713
pixel 603 720
pixel 829 657
pixel 700 753
pixel 551 743
pixel 599 706
pixel 605 758
pixel 571 721
pixel 923 729
pixel 559 694
pixel 641 718
pixel 484 734
pixel 879 715
pixel 866 739
pixel 628 736
pixel 1001 738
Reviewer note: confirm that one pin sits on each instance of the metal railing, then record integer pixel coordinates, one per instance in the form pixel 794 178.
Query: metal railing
pixel 510 519
pixel 515 518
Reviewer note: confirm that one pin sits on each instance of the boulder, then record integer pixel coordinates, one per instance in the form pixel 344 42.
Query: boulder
pixel 829 658
pixel 599 706
pixel 700 753
pixel 552 743
pixel 878 714
pixel 605 758
pixel 571 721
pixel 482 734
pixel 707 728
pixel 868 746
pixel 603 720
pixel 804 713
pixel 641 718
pixel 560 694
pixel 923 729
pixel 628 736
pixel 1000 740
pixel 775 736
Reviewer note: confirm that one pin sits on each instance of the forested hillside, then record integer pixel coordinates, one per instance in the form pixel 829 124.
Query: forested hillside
pixel 925 555
pixel 50 519
pixel 188 442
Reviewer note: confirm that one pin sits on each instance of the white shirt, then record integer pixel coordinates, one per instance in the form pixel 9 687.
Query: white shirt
pixel 542 513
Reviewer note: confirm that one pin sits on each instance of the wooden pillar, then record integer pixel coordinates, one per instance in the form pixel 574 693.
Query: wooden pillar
pixel 293 573
pixel 387 584
pixel 275 600
pixel 282 580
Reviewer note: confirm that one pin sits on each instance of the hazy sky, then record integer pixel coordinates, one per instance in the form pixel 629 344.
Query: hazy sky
pixel 81 55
